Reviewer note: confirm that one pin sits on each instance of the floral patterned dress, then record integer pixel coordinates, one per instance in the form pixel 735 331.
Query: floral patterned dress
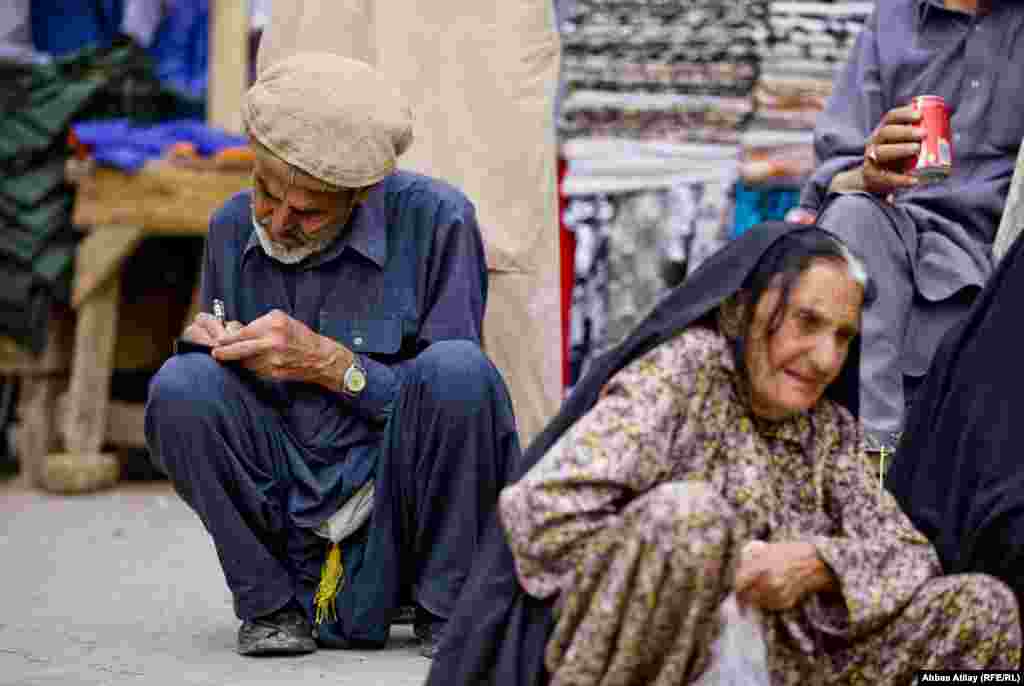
pixel 635 518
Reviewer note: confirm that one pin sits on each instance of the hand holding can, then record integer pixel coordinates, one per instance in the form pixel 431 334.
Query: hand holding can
pixel 934 162
pixel 894 143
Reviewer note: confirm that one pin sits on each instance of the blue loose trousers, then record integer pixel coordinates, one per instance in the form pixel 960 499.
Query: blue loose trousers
pixel 439 461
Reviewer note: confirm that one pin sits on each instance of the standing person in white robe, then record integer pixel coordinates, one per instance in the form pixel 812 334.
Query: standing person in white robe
pixel 481 77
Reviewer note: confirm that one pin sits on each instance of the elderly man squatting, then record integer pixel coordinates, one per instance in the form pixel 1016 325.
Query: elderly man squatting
pixel 715 464
pixel 349 381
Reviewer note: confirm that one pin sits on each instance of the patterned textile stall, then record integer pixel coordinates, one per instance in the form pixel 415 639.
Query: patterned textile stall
pixel 808 43
pixel 682 125
pixel 655 98
pixel 630 248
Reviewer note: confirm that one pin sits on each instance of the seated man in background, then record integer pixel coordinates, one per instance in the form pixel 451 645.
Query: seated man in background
pixel 927 244
pixel 346 409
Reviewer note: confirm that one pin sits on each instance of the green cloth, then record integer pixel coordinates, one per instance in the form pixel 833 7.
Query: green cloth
pixel 29 188
pixel 37 107
pixel 18 136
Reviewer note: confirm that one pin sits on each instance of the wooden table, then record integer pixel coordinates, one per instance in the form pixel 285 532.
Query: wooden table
pixel 119 211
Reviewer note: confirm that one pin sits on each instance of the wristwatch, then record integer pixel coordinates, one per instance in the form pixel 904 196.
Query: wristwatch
pixel 354 380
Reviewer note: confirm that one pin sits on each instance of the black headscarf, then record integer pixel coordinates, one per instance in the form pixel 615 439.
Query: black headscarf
pixel 500 631
pixel 959 469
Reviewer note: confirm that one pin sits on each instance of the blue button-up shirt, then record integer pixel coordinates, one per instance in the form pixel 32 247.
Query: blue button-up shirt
pixel 975 62
pixel 408 271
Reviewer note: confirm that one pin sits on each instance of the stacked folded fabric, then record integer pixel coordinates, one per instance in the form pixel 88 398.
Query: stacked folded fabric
pixel 654 69
pixel 780 157
pixel 37 107
pixel 655 116
pixel 809 41
pixel 656 96
pixel 121 144
pixel 701 46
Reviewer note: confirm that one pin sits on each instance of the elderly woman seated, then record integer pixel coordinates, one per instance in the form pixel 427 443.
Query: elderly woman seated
pixel 717 451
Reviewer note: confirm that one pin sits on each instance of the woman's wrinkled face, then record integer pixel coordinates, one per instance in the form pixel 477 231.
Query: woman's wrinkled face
pixel 790 369
pixel 294 208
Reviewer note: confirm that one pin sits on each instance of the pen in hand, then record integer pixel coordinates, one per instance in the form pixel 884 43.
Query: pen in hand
pixel 220 314
pixel 218 311
pixel 201 336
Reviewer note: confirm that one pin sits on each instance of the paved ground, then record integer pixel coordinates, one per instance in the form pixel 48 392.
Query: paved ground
pixel 124 587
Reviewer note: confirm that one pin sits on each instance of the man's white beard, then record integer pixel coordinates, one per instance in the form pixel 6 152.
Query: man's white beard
pixel 287 255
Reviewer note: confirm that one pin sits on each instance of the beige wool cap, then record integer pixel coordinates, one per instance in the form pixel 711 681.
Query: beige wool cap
pixel 335 118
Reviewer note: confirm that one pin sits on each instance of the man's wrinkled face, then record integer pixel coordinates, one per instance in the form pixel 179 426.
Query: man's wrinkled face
pixel 296 210
pixel 790 368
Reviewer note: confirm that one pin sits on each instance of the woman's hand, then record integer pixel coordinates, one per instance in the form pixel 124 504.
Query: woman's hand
pixel 777 576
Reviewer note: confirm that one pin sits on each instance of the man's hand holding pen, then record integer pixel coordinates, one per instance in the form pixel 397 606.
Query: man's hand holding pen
pixel 207 329
pixel 274 346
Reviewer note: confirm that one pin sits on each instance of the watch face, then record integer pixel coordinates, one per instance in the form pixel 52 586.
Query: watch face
pixel 355 380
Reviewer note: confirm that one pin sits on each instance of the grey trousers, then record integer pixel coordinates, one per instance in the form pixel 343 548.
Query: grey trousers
pixel 880 237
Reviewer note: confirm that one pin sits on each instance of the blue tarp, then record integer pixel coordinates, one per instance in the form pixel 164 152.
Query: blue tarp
pixel 756 205
pixel 121 144
pixel 179 48
pixel 60 27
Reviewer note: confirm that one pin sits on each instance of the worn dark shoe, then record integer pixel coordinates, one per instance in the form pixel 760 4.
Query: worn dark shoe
pixel 284 632
pixel 428 628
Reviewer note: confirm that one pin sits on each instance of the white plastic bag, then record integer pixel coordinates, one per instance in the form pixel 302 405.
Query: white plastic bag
pixel 739 656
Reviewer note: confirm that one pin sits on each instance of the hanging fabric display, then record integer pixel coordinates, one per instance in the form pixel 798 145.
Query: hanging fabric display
pixel 682 125
pixel 589 218
pixel 655 98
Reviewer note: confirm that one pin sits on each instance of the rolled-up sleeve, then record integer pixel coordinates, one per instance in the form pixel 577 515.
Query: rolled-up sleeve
pixel 854 109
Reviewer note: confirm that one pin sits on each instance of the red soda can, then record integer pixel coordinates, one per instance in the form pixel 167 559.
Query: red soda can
pixel 935 161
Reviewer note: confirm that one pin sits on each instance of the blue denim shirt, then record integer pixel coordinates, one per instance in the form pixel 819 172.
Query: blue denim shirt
pixel 408 271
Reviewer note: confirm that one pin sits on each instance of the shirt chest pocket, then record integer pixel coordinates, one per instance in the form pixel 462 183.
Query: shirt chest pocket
pixel 365 336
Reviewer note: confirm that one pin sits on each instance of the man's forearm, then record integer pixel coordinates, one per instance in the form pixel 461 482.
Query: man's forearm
pixel 848 181
pixel 335 359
